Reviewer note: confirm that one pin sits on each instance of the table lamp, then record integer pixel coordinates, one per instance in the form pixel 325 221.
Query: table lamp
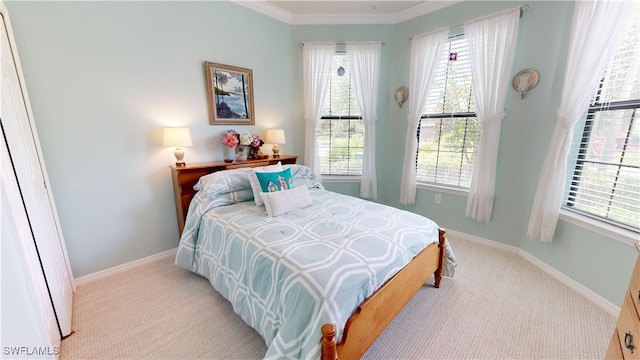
pixel 178 138
pixel 275 137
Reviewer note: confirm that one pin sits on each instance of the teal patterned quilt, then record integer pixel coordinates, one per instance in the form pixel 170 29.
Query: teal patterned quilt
pixel 287 276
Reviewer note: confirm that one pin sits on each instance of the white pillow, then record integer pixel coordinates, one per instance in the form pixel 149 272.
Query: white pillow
pixel 281 202
pixel 255 184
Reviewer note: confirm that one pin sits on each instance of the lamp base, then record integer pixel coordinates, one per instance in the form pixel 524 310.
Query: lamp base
pixel 179 154
pixel 276 150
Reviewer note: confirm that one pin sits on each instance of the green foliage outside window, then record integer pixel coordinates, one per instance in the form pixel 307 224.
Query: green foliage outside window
pixel 340 132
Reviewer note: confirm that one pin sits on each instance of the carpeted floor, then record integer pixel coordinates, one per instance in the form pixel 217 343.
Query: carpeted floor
pixel 498 306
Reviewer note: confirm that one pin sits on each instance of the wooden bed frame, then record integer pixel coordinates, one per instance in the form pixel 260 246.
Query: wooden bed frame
pixel 376 312
pixel 379 310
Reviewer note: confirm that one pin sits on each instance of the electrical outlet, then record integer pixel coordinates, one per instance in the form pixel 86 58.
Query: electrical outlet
pixel 437 199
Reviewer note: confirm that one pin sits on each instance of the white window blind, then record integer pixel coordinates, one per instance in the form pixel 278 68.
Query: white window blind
pixel 449 130
pixel 605 182
pixel 341 128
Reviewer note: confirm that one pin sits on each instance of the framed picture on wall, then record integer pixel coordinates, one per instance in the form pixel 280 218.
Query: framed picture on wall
pixel 229 94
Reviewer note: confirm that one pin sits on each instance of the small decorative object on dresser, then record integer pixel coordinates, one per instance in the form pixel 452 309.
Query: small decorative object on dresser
pixel 247 146
pixel 242 152
pixel 184 177
pixel 626 336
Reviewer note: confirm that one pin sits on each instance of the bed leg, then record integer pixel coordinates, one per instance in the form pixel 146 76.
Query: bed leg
pixel 329 349
pixel 442 248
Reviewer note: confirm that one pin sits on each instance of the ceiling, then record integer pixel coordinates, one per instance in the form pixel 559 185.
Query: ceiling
pixel 344 7
pixel 345 12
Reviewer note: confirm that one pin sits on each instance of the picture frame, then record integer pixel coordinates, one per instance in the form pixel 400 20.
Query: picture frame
pixel 229 94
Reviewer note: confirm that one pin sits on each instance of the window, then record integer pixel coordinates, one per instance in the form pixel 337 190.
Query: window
pixel 341 129
pixel 448 131
pixel 605 178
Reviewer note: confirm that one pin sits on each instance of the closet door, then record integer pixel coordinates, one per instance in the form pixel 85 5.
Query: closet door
pixel 24 149
pixel 26 306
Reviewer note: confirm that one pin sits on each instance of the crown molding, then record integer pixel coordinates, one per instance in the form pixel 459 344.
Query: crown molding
pixel 278 13
pixel 422 9
pixel 268 9
pixel 334 19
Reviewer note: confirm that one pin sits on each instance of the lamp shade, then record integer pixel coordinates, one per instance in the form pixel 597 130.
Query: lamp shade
pixel 177 137
pixel 275 136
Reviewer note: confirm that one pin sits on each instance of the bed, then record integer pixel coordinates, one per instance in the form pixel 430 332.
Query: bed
pixel 320 281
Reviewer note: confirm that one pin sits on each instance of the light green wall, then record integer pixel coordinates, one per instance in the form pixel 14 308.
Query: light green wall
pixel 105 77
pixel 601 264
pixel 524 131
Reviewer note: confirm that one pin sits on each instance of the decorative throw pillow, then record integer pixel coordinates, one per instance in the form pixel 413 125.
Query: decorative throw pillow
pixel 281 202
pixel 275 181
pixel 255 184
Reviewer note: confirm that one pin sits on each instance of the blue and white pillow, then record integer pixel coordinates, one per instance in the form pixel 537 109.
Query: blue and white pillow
pixel 255 184
pixel 275 181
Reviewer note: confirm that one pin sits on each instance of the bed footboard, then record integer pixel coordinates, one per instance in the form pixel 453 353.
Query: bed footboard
pixel 377 311
pixel 442 247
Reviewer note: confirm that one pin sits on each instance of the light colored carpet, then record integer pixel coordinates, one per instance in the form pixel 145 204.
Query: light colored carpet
pixel 498 306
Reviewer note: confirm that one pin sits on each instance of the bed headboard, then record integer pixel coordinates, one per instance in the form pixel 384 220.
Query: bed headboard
pixel 185 177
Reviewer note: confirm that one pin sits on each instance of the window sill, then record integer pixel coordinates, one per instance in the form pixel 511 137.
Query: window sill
pixel 443 189
pixel 624 236
pixel 340 178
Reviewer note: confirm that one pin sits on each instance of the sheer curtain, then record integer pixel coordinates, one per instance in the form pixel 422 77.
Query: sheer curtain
pixel 492 42
pixel 594 31
pixel 426 51
pixel 316 66
pixel 365 68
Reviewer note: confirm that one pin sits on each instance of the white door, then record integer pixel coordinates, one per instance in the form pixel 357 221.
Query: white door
pixel 26 306
pixel 24 149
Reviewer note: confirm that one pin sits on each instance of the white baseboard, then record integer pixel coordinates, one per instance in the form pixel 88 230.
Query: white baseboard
pixel 495 244
pixel 83 280
pixel 590 295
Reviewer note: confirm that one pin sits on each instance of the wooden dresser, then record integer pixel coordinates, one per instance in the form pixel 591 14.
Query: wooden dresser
pixel 625 343
pixel 184 177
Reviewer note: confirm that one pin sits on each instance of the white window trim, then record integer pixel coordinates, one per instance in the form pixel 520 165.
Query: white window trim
pixel 442 189
pixel 617 233
pixel 423 186
pixel 340 178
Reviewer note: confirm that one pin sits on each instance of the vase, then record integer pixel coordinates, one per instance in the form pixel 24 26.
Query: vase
pixel 242 152
pixel 254 152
